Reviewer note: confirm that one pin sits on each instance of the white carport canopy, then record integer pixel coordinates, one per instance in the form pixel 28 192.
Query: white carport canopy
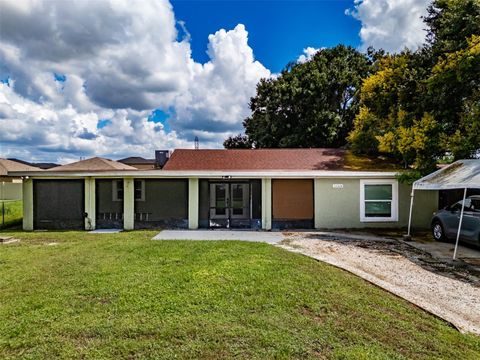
pixel 462 174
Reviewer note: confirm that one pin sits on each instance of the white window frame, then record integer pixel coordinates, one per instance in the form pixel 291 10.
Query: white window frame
pixel 142 198
pixel 115 190
pixel 394 210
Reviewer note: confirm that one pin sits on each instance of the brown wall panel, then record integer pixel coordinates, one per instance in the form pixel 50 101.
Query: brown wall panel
pixel 292 199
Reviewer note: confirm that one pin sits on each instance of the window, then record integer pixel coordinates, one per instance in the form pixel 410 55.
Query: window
pixel 117 190
pixel 138 190
pixel 475 207
pixel 378 200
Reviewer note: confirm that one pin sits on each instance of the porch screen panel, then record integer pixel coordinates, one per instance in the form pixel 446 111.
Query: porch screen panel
pixel 256 199
pixel 58 204
pixel 292 199
pixel 109 203
pixel 165 204
pixel 204 203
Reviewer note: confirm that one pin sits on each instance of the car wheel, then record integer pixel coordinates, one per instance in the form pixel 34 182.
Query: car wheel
pixel 437 231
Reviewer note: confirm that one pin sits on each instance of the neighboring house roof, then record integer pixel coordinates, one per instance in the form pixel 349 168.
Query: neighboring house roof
pixel 272 159
pixel 11 165
pixel 93 164
pixel 137 160
pixel 41 165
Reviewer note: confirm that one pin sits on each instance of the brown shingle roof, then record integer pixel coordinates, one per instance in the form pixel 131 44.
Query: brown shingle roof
pixel 93 164
pixel 10 165
pixel 136 160
pixel 256 159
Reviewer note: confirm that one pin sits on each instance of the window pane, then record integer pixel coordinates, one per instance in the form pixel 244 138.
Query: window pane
pixel 138 194
pixel 119 189
pixel 475 205
pixel 378 209
pixel 137 186
pixel 237 197
pixel 220 199
pixel 378 192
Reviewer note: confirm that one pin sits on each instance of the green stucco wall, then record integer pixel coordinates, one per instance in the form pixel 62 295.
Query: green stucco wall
pixel 340 208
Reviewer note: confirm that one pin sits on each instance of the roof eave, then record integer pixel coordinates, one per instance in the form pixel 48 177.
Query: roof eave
pixel 212 174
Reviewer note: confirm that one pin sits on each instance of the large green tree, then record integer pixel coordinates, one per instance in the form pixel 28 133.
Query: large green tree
pixel 310 104
pixel 420 106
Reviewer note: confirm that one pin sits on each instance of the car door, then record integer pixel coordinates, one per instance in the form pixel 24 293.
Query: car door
pixel 468 223
pixel 471 222
pixel 451 218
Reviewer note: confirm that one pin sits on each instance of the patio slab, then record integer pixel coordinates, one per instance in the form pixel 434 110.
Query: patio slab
pixel 242 235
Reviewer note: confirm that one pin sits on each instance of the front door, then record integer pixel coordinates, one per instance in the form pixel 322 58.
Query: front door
pixel 219 199
pixel 229 201
pixel 239 201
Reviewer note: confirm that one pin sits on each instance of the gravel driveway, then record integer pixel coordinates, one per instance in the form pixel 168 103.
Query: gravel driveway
pixel 385 263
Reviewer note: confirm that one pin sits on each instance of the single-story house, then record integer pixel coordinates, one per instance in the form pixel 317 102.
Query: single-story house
pixel 11 186
pixel 7 166
pixel 254 189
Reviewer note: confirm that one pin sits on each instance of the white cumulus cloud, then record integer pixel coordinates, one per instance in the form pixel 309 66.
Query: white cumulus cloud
pixel 308 53
pixel 70 64
pixel 392 25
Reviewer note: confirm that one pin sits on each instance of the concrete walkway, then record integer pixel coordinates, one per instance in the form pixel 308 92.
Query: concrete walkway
pixel 253 236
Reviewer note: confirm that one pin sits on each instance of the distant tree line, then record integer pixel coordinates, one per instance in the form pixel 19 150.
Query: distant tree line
pixel 417 107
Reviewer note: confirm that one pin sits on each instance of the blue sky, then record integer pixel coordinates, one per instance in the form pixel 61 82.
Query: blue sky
pixel 120 78
pixel 278 30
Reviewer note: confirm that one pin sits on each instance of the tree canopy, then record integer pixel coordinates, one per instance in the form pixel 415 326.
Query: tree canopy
pixel 310 104
pixel 417 107
pixel 421 106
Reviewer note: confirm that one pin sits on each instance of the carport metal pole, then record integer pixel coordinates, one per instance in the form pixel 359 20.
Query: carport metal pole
pixel 410 214
pixel 460 224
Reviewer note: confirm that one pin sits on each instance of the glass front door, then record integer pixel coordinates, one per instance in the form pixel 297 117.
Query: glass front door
pixel 240 204
pixel 229 201
pixel 219 199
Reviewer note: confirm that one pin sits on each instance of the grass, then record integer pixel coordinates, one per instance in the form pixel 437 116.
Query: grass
pixel 126 296
pixel 11 213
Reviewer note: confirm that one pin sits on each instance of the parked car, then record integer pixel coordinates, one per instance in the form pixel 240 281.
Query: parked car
pixel 445 221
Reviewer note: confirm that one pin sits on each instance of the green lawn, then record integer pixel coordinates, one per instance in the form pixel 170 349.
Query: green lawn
pixel 125 296
pixel 11 213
